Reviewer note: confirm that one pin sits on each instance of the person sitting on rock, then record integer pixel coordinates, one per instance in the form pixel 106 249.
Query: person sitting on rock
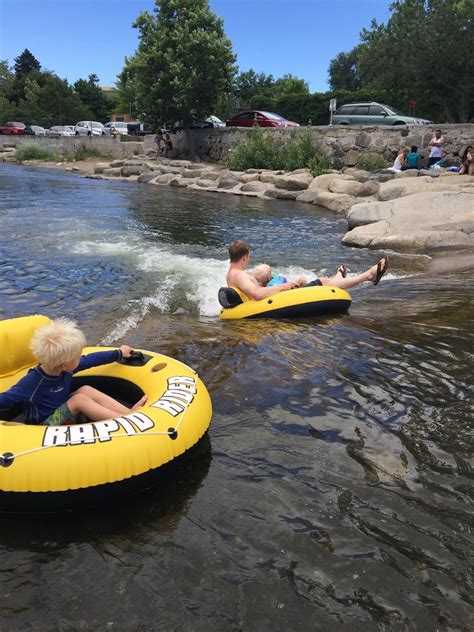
pixel 167 142
pixel 239 253
pixel 412 159
pixel 467 166
pixel 400 161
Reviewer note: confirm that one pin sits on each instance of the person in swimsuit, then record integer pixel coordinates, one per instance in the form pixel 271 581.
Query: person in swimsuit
pixel 239 253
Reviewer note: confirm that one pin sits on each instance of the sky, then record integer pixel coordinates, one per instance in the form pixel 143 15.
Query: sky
pixel 76 38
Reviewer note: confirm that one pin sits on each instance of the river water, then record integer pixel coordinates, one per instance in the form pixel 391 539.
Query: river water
pixel 333 489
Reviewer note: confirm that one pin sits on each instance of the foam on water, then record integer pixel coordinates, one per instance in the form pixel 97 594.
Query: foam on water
pixel 178 281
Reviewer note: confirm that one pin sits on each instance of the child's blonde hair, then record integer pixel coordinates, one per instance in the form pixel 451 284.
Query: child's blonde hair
pixel 58 342
pixel 263 273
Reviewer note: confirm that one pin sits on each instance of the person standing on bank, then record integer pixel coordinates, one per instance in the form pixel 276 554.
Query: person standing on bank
pixel 437 147
pixel 158 139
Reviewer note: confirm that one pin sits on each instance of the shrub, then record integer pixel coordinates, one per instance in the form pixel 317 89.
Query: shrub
pixel 260 150
pixel 82 153
pixel 298 151
pixel 371 162
pixel 257 151
pixel 32 151
pixel 320 163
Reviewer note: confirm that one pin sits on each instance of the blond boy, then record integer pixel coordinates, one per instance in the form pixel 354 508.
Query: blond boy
pixel 45 392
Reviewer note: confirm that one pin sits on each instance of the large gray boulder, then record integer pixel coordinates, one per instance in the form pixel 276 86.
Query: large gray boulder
pixel 361 175
pixel 202 183
pixel 131 170
pixel 352 187
pixel 324 181
pixel 210 173
pixel 175 169
pixel 249 177
pixel 112 172
pixel 400 187
pixel 309 195
pixel 147 176
pixel 228 179
pixel 101 166
pixel 419 222
pixel 255 187
pixel 293 182
pixel 281 194
pixel 338 202
pixel 164 178
pixel 177 181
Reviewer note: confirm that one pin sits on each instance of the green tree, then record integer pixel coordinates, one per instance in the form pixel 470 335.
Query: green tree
pixel 344 72
pixel 289 84
pixel 184 62
pixel 51 102
pixel 424 52
pixel 250 83
pixel 125 96
pixel 251 87
pixel 93 98
pixel 26 63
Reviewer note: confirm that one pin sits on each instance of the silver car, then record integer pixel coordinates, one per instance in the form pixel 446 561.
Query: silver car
pixel 89 128
pixel 115 128
pixel 371 113
pixel 60 130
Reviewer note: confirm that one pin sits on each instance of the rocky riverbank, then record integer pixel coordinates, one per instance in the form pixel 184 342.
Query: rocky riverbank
pixel 413 211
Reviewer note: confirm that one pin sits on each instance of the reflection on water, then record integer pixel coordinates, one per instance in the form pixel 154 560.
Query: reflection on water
pixel 339 492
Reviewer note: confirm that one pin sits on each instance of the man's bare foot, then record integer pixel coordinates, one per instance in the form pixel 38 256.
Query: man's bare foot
pixel 140 403
pixel 342 271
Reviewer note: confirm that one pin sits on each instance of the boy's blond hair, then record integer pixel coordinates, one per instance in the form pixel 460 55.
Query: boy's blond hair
pixel 263 273
pixel 58 342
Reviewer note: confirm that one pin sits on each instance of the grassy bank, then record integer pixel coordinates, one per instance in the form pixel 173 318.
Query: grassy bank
pixel 32 151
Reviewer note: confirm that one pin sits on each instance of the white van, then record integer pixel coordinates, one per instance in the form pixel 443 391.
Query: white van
pixel 89 128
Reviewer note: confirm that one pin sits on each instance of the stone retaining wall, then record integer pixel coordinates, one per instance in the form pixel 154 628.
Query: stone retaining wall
pixel 343 143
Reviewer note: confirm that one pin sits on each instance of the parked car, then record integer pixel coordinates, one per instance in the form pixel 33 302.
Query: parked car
pixel 215 120
pixel 115 128
pixel 71 127
pixel 178 126
pixel 12 127
pixel 34 130
pixel 89 128
pixel 263 119
pixel 60 130
pixel 372 113
pixel 137 128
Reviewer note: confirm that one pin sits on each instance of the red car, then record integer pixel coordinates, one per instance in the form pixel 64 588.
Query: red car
pixel 263 119
pixel 11 127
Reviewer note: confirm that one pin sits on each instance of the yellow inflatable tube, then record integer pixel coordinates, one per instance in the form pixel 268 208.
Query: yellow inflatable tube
pixel 300 302
pixel 46 468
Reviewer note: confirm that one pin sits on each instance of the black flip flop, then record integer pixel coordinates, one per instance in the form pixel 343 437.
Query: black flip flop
pixel 343 270
pixel 381 269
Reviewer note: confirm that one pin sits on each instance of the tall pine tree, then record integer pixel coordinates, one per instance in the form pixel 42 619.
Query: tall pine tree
pixel 25 63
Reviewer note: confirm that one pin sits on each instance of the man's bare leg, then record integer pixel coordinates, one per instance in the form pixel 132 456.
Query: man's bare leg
pixel 357 279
